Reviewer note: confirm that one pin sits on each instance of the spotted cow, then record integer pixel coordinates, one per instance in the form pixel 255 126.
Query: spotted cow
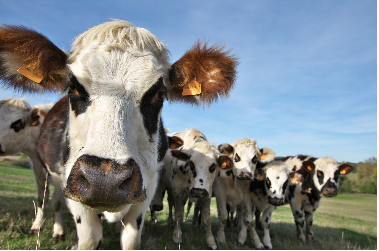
pixel 189 173
pixel 312 179
pixel 232 187
pixel 104 141
pixel 267 192
pixel 20 125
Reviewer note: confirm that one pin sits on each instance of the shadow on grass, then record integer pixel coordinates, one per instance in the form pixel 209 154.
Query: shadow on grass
pixel 17 215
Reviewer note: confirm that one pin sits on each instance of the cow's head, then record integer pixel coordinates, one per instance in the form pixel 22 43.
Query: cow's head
pixel 275 177
pixel 246 156
pixel 326 175
pixel 117 77
pixel 198 167
pixel 17 119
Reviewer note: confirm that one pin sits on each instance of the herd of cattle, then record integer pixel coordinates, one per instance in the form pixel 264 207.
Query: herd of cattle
pixel 106 151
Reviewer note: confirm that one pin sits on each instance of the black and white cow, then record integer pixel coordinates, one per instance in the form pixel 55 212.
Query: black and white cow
pixel 189 173
pixel 232 187
pixel 267 192
pixel 20 125
pixel 315 178
pixel 104 141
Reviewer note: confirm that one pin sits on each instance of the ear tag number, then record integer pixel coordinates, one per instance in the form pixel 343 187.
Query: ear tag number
pixel 25 71
pixel 192 88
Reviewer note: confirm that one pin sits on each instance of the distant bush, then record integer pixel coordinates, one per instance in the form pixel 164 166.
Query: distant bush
pixel 368 187
pixel 346 186
pixel 23 157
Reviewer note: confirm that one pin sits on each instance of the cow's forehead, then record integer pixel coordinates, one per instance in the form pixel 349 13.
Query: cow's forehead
pixel 274 174
pixel 245 150
pixel 326 165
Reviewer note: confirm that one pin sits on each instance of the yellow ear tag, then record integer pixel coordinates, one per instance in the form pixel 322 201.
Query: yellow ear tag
pixel 25 71
pixel 192 88
pixel 308 190
pixel 224 165
pixel 293 180
pixel 343 172
pixel 262 157
pixel 309 168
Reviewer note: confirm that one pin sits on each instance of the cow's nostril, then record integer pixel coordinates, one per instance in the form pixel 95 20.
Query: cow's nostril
pixel 83 183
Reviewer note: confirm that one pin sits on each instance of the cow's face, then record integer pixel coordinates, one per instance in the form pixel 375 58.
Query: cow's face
pixel 16 122
pixel 276 181
pixel 197 166
pixel 246 155
pixel 326 175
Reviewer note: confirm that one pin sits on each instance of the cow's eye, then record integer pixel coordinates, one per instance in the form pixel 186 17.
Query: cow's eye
pixel 160 95
pixel 268 183
pixel 237 158
pixel 254 160
pixel 212 168
pixel 18 125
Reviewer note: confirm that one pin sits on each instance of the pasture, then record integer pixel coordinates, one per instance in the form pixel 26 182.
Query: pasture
pixel 345 222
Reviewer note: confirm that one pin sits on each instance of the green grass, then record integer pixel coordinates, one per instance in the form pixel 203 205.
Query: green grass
pixel 344 222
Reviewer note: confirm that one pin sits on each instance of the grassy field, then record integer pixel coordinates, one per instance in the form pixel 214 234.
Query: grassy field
pixel 344 222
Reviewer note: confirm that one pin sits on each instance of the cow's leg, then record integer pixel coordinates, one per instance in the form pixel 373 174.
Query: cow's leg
pixel 248 222
pixel 133 226
pixel 88 227
pixel 266 221
pixel 43 198
pixel 179 197
pixel 309 222
pixel 170 200
pixel 222 218
pixel 228 220
pixel 258 223
pixel 206 215
pixel 58 206
pixel 297 213
pixel 153 215
pixel 196 220
pixel 157 202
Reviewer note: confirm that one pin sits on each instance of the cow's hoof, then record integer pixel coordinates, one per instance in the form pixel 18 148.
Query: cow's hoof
pixel 259 226
pixel 211 248
pixel 267 247
pixel 239 244
pixel 33 232
pixel 58 238
pixel 300 240
pixel 261 247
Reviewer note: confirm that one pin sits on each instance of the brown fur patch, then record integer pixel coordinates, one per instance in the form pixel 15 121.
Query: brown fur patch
pixel 213 67
pixel 42 57
pixel 35 118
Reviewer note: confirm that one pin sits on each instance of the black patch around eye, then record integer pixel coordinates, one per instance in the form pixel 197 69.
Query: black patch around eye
pixel 237 158
pixel 139 221
pixel 320 177
pixel 284 187
pixel 18 125
pixel 212 168
pixel 77 95
pixel 268 183
pixel 163 142
pixel 336 173
pixel 151 105
pixel 254 160
pixel 192 166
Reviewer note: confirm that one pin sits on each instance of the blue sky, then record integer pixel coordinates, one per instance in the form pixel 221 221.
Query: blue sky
pixel 307 80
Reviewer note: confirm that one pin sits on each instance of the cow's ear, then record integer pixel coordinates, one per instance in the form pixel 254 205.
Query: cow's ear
pixel 174 142
pixel 180 155
pixel 203 74
pixel 308 166
pixel 29 61
pixel 224 162
pixel 37 117
pixel 226 149
pixel 266 155
pixel 296 177
pixel 345 169
pixel 259 173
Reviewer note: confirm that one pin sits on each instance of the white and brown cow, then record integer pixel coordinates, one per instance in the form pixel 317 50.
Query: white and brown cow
pixel 104 141
pixel 313 178
pixel 232 187
pixel 267 192
pixel 189 173
pixel 20 125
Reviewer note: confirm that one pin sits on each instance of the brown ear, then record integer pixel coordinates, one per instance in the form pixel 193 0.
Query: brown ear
pixel 211 67
pixel 226 149
pixel 267 155
pixel 180 155
pixel 175 142
pixel 296 177
pixel 225 162
pixel 345 169
pixel 259 174
pixel 35 118
pixel 308 166
pixel 29 61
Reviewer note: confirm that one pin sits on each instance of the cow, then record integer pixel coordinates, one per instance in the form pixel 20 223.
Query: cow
pixel 189 174
pixel 232 187
pixel 104 142
pixel 20 125
pixel 267 192
pixel 315 178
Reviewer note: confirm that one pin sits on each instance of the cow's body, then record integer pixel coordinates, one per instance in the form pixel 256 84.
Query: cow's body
pixel 232 187
pixel 319 177
pixel 267 192
pixel 20 125
pixel 189 173
pixel 104 142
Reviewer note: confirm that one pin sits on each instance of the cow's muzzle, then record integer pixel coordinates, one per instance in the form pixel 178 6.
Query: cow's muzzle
pixel 1 150
pixel 244 175
pixel 99 183
pixel 329 192
pixel 275 201
pixel 199 193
